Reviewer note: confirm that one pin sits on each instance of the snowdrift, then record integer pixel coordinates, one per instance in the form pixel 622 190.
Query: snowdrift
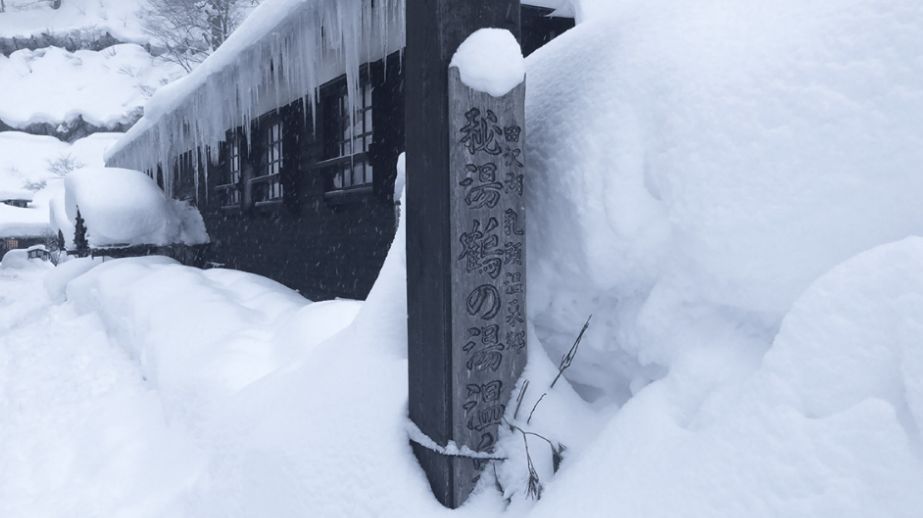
pixel 122 207
pixel 697 165
pixel 827 426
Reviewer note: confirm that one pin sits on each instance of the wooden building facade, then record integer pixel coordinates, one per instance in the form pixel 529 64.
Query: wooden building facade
pixel 302 190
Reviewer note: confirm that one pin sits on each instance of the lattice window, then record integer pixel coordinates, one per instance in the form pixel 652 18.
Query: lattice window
pixel 230 188
pixel 347 138
pixel 267 186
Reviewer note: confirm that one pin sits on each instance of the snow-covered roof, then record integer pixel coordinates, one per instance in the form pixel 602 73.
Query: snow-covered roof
pixel 19 222
pixel 15 195
pixel 124 207
pixel 283 52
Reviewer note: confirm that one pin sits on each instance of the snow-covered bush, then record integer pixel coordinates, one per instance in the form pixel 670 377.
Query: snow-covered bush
pixel 124 207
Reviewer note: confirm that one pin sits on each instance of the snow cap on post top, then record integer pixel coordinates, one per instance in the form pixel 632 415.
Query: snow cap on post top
pixel 490 61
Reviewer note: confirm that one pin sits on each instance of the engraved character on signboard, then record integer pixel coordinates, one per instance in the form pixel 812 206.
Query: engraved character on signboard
pixel 480 249
pixel 481 186
pixel 484 301
pixel 480 132
pixel 485 352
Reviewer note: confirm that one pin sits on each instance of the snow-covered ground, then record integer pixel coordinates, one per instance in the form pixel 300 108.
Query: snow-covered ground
pixel 83 434
pixel 140 387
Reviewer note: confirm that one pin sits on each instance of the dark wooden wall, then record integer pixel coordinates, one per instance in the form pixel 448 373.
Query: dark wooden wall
pixel 323 247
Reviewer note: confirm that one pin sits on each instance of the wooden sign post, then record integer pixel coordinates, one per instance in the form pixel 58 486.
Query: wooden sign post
pixel 465 245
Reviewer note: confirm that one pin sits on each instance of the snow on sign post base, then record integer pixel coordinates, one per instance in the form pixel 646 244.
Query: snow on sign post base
pixel 465 237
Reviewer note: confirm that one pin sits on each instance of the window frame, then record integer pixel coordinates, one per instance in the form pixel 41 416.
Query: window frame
pixel 232 189
pixel 271 162
pixel 184 173
pixel 339 138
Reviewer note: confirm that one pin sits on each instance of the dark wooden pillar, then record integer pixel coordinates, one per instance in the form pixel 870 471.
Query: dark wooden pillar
pixel 457 309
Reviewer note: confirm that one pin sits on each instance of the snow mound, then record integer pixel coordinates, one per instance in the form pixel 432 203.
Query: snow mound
pixel 124 207
pixel 198 348
pixel 56 281
pixel 861 322
pixel 828 426
pixel 714 160
pixel 106 89
pixel 19 259
pixel 490 60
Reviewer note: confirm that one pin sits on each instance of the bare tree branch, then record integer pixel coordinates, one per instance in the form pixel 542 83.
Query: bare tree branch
pixel 190 30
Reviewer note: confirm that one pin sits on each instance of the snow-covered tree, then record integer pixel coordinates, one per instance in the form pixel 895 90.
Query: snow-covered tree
pixel 81 243
pixel 191 29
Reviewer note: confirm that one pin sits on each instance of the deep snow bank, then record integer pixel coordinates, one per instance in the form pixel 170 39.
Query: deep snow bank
pixel 697 165
pixel 312 404
pixel 198 336
pixel 828 426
